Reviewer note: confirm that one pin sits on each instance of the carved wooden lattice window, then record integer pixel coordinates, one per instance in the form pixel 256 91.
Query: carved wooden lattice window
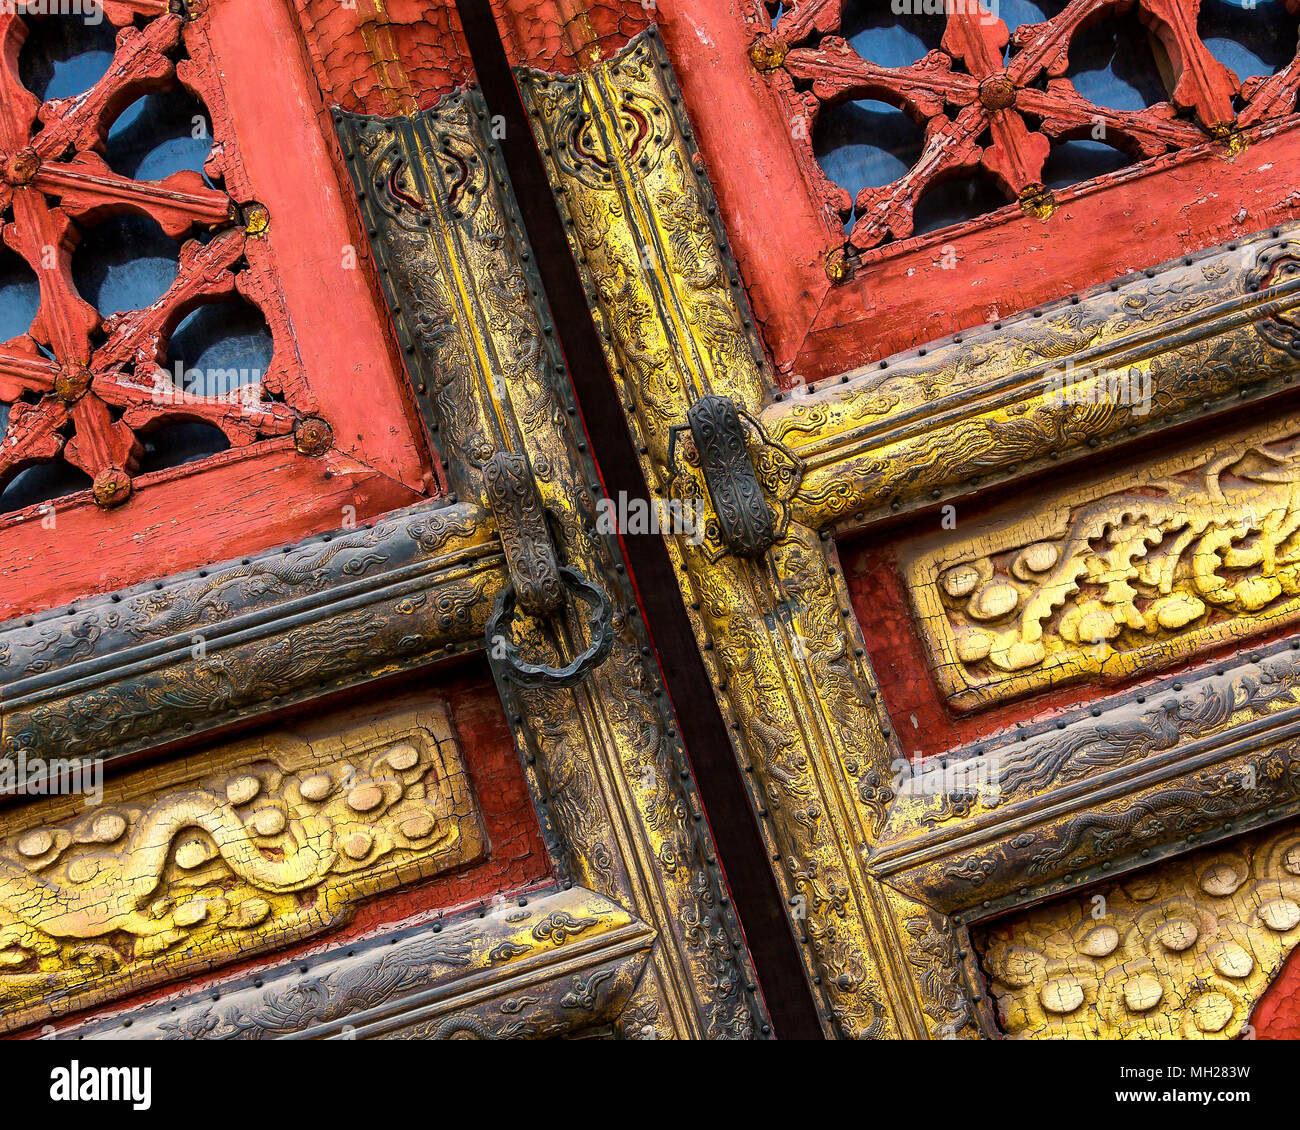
pixel 945 166
pixel 152 319
pixel 84 384
pixel 997 98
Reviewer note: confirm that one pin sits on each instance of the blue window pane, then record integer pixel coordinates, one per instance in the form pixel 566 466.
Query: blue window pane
pixel 953 201
pixel 1251 40
pixel 1016 12
pixel 124 263
pixel 20 295
pixel 220 347
pixel 1070 162
pixel 1113 63
pixel 175 444
pixel 154 136
pixel 40 484
pixel 64 56
pixel 888 40
pixel 865 144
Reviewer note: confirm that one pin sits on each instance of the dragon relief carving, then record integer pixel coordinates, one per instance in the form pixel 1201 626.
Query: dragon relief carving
pixel 208 859
pixel 1181 557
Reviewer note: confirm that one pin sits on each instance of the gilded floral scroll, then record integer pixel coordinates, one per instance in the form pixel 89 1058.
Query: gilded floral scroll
pixel 220 855
pixel 1128 575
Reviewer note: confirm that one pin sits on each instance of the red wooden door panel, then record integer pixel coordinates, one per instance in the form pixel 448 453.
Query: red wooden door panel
pixel 1212 162
pixel 325 438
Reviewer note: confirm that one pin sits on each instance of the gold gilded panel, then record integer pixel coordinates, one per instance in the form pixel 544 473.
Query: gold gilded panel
pixel 218 855
pixel 493 388
pixel 1184 950
pixel 1131 574
pixel 784 653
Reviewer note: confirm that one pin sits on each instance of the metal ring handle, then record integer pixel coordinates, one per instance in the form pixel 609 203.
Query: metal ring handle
pixel 524 674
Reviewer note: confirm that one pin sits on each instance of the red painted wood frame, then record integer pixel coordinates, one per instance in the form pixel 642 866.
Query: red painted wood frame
pixel 335 354
pixel 1206 171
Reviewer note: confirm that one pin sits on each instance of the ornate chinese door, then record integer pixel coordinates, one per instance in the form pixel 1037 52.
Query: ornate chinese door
pixel 973 328
pixel 332 715
pixel 344 692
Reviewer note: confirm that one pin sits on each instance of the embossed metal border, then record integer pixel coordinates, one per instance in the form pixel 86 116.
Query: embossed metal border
pixel 182 656
pixel 880 918
pixel 547 965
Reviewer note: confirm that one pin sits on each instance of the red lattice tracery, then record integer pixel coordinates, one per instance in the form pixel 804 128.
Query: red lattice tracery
pixel 105 385
pixel 964 90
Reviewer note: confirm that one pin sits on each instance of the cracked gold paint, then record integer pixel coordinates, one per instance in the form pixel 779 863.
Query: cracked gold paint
pixel 1183 950
pixel 1132 574
pixel 220 855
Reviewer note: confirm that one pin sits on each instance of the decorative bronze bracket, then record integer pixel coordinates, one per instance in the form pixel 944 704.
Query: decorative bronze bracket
pixel 746 523
pixel 521 523
pixel 538 582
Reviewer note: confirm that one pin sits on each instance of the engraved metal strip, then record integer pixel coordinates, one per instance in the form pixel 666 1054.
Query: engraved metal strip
pixel 785 657
pixel 551 965
pixel 1104 790
pixel 1000 402
pixel 488 377
pixel 176 657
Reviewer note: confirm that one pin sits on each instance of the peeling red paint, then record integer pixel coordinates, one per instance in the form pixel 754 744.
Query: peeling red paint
pixel 563 36
pixel 387 58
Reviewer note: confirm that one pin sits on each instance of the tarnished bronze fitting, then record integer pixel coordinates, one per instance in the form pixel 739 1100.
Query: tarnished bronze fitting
pixel 998 92
pixel 1037 201
pixel 313 436
pixel 72 383
pixel 838 268
pixel 767 53
pixel 1231 136
pixel 256 218
pixel 21 167
pixel 525 537
pixel 112 487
